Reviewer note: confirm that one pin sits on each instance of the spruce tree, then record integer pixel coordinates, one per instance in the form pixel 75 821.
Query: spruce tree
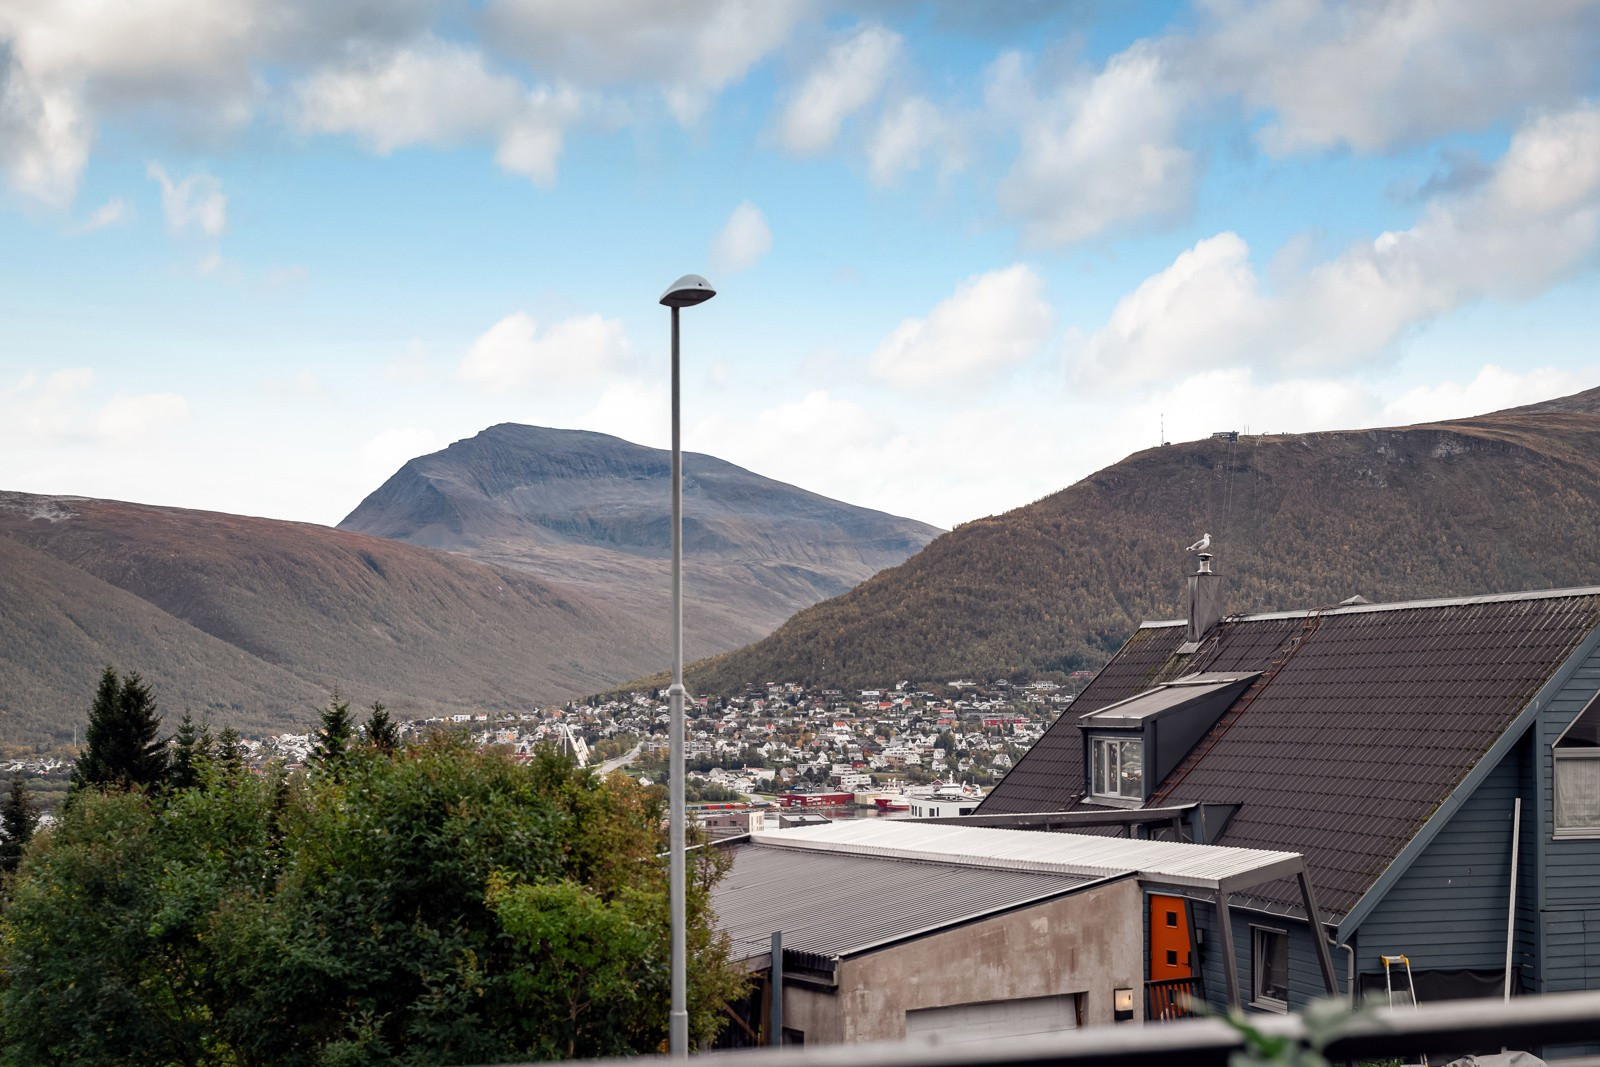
pixel 333 740
pixel 382 733
pixel 191 751
pixel 123 749
pixel 18 817
pixel 230 753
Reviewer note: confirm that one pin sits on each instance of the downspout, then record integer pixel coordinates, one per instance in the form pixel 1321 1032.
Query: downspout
pixel 1511 896
pixel 1350 973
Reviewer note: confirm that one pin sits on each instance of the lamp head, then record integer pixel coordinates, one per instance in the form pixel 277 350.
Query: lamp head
pixel 687 291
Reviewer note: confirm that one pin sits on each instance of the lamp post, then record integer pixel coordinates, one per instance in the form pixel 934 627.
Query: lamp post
pixel 687 291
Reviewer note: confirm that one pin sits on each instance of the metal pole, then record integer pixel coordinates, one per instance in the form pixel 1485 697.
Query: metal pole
pixel 1511 902
pixel 775 1029
pixel 1230 963
pixel 1318 938
pixel 678 1020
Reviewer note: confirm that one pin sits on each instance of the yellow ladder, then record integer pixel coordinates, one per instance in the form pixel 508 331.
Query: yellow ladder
pixel 1407 995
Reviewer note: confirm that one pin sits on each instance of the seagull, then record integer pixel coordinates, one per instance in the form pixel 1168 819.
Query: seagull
pixel 1200 545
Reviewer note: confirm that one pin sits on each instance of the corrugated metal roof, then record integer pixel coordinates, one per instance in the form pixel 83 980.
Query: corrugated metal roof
pixel 840 904
pixel 1375 715
pixel 1170 695
pixel 1169 862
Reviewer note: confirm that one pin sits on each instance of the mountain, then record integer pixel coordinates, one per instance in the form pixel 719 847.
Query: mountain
pixel 594 511
pixel 253 621
pixel 1495 503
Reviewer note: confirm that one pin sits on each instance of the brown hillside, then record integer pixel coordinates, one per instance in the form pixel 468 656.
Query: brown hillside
pixel 254 620
pixel 1500 502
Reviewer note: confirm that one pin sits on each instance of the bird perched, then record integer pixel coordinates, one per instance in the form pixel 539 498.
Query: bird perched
pixel 1200 545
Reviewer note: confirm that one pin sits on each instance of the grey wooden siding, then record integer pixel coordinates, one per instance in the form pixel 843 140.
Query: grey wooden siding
pixel 1305 974
pixel 1570 868
pixel 1448 911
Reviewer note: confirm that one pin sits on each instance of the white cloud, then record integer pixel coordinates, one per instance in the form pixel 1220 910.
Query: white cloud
pixel 990 323
pixel 1376 75
pixel 47 406
pixel 190 66
pixel 130 420
pixel 111 213
pixel 1494 388
pixel 849 77
pixel 513 353
pixel 195 203
pixel 1532 223
pixel 689 49
pixel 1096 153
pixel 906 133
pixel 440 94
pixel 743 240
pixel 385 452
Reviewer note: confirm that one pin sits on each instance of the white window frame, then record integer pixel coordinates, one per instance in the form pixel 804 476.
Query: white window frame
pixel 1571 760
pixel 1112 783
pixel 1258 961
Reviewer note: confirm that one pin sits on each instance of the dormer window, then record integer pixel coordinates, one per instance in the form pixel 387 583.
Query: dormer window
pixel 1118 764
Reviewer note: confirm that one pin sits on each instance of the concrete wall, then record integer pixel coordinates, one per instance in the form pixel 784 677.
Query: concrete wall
pixel 1089 943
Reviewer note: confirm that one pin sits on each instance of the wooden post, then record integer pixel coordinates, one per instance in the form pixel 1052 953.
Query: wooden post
pixel 775 1036
pixel 1230 963
pixel 1318 938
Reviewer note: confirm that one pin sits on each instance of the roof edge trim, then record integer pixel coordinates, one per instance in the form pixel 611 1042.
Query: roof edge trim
pixel 1440 602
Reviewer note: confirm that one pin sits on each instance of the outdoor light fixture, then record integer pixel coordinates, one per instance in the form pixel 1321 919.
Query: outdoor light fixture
pixel 1122 1005
pixel 687 291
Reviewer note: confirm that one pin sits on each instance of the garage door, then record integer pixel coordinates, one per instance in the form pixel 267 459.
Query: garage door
pixel 999 1018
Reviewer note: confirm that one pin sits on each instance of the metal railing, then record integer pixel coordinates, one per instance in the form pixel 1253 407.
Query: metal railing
pixel 1173 998
pixel 1521 1023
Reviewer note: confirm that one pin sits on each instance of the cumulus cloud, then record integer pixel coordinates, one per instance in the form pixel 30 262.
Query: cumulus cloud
pixel 386 451
pixel 743 240
pixel 1533 222
pixel 513 352
pixel 990 323
pixel 907 132
pixel 849 77
pixel 689 49
pixel 1096 152
pixel 113 212
pixel 196 203
pixel 440 94
pixel 1375 75
pixel 1493 388
pixel 194 65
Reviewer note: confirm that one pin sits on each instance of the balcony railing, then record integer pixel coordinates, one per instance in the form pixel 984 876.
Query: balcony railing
pixel 1173 998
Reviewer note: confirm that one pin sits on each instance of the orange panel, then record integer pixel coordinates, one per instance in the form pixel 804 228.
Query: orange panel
pixel 1170 951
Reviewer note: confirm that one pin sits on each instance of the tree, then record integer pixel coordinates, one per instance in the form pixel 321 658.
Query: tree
pixel 19 815
pixel 191 752
pixel 333 739
pixel 230 753
pixel 382 733
pixel 123 748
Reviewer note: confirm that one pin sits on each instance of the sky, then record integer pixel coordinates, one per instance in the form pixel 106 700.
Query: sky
pixel 256 254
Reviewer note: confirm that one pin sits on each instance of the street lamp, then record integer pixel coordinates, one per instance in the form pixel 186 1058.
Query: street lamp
pixel 687 291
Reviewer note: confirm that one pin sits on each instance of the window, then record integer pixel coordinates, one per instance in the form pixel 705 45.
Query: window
pixel 1269 965
pixel 1118 767
pixel 1577 775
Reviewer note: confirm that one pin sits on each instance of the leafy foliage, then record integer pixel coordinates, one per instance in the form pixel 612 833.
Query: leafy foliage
pixel 416 910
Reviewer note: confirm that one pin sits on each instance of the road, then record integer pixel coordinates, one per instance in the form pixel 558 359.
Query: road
pixel 621 761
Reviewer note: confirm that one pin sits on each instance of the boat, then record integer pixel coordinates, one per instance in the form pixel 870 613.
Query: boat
pixel 816 800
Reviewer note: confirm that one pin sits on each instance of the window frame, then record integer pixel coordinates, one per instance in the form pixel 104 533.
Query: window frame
pixel 1096 765
pixel 1258 961
pixel 1570 758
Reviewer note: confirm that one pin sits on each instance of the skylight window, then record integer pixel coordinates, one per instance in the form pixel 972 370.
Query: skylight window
pixel 1118 767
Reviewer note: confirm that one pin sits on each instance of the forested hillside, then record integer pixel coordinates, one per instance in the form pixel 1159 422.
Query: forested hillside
pixel 1499 502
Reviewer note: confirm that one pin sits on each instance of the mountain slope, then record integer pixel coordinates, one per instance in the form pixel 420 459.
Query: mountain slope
pixel 591 509
pixel 1499 502
pixel 254 620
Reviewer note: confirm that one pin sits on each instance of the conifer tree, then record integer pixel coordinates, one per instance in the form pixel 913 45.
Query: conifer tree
pixel 333 739
pixel 230 754
pixel 191 751
pixel 123 750
pixel 18 817
pixel 382 733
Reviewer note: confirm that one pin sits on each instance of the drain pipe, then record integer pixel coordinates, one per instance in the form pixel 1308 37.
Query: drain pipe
pixel 1511 896
pixel 1350 972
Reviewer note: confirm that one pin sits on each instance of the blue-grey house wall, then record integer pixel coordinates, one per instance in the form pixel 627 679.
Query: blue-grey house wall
pixel 1569 868
pixel 1448 911
pixel 1305 974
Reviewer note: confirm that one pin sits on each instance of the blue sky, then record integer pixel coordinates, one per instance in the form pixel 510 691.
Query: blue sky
pixel 257 253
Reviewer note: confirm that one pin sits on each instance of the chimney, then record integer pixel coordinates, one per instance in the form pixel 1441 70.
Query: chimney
pixel 1205 603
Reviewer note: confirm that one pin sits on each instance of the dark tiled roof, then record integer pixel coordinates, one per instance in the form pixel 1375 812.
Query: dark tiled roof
pixel 1364 720
pixel 834 905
